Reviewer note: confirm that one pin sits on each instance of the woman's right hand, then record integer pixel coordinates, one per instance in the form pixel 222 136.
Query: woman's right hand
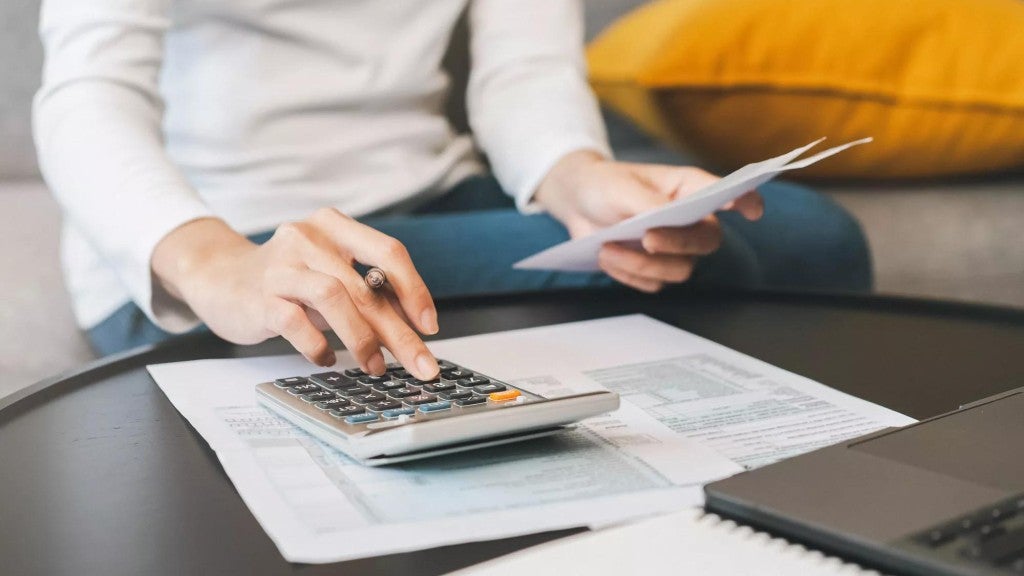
pixel 300 282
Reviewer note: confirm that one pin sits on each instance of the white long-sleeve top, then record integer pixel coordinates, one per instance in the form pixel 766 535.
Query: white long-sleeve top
pixel 154 113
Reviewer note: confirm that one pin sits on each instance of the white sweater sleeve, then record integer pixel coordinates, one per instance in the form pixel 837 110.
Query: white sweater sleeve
pixel 98 130
pixel 529 102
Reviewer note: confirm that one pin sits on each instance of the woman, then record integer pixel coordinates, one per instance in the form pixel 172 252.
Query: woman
pixel 229 162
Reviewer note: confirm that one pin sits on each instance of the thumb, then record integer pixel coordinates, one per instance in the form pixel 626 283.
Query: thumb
pixel 632 196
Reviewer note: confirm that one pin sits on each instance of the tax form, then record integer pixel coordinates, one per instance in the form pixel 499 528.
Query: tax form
pixel 580 254
pixel 692 412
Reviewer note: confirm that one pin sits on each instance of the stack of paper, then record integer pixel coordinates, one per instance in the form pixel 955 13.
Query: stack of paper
pixel 692 412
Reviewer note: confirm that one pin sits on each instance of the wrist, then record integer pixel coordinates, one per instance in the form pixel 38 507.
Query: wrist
pixel 183 258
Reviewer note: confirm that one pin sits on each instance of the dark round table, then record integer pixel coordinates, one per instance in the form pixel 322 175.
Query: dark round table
pixel 100 475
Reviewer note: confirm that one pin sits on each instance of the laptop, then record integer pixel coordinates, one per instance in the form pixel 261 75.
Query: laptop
pixel 944 496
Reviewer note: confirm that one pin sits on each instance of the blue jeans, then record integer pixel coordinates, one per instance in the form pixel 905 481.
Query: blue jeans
pixel 466 242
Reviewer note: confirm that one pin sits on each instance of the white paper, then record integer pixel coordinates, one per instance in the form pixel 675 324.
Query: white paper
pixel 650 457
pixel 686 542
pixel 580 255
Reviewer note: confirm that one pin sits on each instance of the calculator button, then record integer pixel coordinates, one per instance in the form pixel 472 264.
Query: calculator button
pixel 289 382
pixel 371 380
pixel 402 375
pixel 472 382
pixel 457 374
pixel 418 382
pixel 489 388
pixel 438 387
pixel 354 373
pixel 504 396
pixel 369 398
pixel 388 385
pixel 399 393
pixel 383 405
pixel 361 418
pixel 420 399
pixel 332 403
pixel 472 401
pixel 303 389
pixel 457 395
pixel 393 367
pixel 445 365
pixel 358 390
pixel 392 414
pixel 344 411
pixel 332 380
pixel 438 406
pixel 318 396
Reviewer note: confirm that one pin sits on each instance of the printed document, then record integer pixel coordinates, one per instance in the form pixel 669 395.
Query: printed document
pixel 580 254
pixel 692 412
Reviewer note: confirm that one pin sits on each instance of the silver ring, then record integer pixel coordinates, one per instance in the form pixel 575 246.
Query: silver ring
pixel 375 278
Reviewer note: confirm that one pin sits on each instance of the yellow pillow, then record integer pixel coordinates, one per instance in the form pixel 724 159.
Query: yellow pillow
pixel 938 83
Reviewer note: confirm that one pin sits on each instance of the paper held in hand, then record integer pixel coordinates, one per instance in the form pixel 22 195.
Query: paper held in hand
pixel 580 255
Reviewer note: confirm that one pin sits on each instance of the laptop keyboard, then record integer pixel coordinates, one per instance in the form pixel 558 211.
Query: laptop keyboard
pixel 993 536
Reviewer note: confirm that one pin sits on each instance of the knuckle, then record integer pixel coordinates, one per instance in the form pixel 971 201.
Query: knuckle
pixel 328 291
pixel 286 319
pixel 393 250
pixel 366 298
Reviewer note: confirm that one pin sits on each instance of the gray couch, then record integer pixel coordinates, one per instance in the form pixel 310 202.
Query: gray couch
pixel 941 240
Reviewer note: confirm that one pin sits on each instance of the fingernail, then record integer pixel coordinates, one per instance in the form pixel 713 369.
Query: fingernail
pixel 426 365
pixel 429 321
pixel 331 360
pixel 376 364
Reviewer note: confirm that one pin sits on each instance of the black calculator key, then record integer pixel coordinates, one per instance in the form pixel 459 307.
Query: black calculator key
pixel 420 399
pixel 358 390
pixel 402 393
pixel 303 389
pixel 402 375
pixel 456 395
pixel 333 380
pixel 393 367
pixel 446 365
pixel 289 382
pixel 472 381
pixel 354 373
pixel 318 396
pixel 332 403
pixel 488 388
pixel 418 382
pixel 457 374
pixel 438 387
pixel 369 398
pixel 344 411
pixel 388 385
pixel 371 380
pixel 472 401
pixel 384 405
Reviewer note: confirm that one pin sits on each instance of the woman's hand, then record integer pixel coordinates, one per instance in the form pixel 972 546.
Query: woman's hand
pixel 301 282
pixel 587 192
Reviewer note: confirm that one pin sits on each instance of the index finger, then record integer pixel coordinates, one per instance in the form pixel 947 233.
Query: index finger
pixel 375 248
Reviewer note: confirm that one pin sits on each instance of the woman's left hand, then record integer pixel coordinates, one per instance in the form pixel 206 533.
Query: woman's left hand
pixel 587 192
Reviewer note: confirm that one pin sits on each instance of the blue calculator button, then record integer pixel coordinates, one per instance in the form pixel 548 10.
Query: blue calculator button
pixel 436 406
pixel 361 418
pixel 392 414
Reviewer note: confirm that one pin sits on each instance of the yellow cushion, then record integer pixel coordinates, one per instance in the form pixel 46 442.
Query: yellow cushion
pixel 938 83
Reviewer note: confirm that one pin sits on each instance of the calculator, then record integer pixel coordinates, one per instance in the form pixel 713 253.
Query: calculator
pixel 396 417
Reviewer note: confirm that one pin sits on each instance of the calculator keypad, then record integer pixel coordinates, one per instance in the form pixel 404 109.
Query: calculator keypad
pixel 354 398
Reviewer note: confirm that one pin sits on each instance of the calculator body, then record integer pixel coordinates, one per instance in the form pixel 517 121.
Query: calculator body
pixel 394 418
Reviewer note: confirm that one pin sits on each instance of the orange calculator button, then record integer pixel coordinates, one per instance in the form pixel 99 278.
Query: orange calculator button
pixel 503 396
